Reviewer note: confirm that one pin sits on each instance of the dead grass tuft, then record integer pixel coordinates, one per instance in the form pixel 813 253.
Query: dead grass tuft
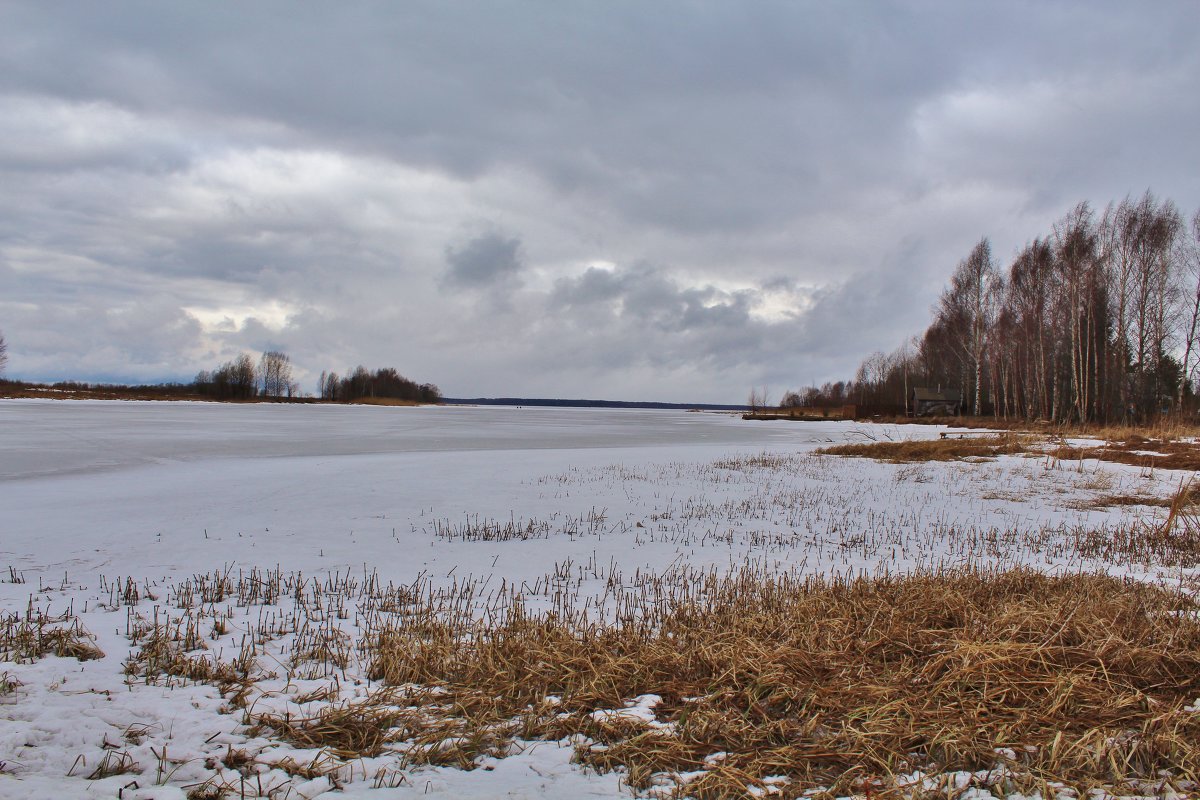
pixel 348 731
pixel 35 634
pixel 175 648
pixel 113 763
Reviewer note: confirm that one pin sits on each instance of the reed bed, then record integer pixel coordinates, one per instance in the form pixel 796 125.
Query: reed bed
pixel 949 449
pixel 838 685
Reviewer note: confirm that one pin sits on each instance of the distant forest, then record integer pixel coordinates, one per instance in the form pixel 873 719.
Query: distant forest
pixel 1095 321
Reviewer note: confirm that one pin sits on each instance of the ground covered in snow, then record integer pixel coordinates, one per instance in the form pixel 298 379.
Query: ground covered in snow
pixel 211 572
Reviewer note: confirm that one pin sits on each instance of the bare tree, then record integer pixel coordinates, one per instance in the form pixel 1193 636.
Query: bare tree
pixel 3 353
pixel 1190 261
pixel 275 374
pixel 969 306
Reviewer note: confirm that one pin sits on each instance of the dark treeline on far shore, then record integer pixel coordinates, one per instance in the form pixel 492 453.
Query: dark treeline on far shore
pixel 387 383
pixel 1096 321
pixel 243 379
pixel 561 403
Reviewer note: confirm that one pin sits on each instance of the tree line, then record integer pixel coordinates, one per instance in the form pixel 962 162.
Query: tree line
pixel 1097 320
pixel 242 379
pixel 363 384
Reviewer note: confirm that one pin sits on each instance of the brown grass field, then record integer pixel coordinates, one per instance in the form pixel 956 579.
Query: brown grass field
pixel 815 686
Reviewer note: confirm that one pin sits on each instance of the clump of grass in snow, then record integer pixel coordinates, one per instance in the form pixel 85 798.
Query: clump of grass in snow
pixel 948 449
pixel 113 763
pixel 841 684
pixel 348 731
pixel 36 634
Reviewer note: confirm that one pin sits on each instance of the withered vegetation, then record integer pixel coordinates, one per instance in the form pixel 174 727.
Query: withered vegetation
pixel 1121 447
pixel 1137 451
pixel 1084 679
pixel 947 449
pixel 30 636
pixel 705 684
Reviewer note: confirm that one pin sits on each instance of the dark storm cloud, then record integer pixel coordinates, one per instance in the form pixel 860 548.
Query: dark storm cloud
pixel 802 177
pixel 484 260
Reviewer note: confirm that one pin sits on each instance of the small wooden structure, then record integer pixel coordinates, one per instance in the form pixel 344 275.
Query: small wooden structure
pixel 929 403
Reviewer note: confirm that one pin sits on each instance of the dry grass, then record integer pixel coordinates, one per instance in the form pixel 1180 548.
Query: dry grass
pixel 1138 451
pixel 839 684
pixel 113 763
pixel 1164 452
pixel 175 648
pixel 948 449
pixel 757 678
pixel 1188 496
pixel 35 634
pixel 1173 542
pixel 348 731
pixel 385 401
pixel 1170 428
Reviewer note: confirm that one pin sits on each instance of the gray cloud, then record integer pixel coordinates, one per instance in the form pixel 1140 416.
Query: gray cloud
pixel 484 260
pixel 681 199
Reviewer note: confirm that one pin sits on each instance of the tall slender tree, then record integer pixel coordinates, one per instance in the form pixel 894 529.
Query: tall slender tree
pixel 968 307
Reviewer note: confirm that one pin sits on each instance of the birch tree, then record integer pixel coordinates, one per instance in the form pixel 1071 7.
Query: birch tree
pixel 969 302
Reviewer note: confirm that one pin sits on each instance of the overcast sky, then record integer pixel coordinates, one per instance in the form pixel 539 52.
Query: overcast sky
pixel 643 200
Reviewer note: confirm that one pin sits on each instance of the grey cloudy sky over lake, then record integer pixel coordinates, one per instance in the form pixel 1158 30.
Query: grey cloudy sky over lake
pixel 661 201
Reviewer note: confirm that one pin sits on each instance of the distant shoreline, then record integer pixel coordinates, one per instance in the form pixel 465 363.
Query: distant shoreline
pixel 152 393
pixel 560 403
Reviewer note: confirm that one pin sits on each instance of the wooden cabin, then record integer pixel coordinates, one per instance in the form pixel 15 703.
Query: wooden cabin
pixel 930 403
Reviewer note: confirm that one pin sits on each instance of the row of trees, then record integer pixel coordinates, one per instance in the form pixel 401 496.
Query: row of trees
pixel 241 379
pixel 382 383
pixel 1097 321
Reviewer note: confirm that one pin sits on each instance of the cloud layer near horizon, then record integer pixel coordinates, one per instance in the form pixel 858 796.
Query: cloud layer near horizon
pixel 667 201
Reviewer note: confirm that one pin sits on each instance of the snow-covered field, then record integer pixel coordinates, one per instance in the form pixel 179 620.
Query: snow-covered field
pixel 107 508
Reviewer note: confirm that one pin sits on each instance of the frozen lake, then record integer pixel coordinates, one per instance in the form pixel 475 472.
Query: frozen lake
pixel 51 437
pixel 155 486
